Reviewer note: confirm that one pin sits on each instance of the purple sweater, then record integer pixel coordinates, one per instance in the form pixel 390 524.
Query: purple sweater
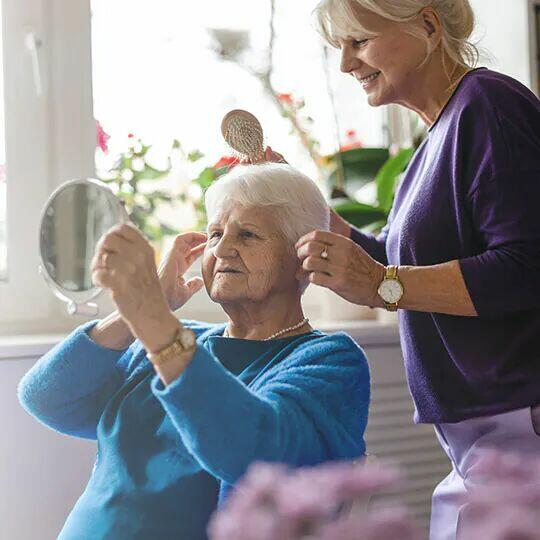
pixel 472 193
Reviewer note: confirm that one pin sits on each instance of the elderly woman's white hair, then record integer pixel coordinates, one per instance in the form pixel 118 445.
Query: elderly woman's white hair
pixel 297 203
pixel 336 19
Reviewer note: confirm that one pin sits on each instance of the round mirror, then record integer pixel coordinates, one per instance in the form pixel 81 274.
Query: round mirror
pixel 75 217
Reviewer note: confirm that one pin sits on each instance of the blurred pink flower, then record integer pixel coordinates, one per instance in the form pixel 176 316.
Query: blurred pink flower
pixel 504 503
pixel 102 137
pixel 388 524
pixel 274 502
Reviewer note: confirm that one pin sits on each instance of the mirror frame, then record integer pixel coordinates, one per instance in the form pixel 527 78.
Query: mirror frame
pixel 78 301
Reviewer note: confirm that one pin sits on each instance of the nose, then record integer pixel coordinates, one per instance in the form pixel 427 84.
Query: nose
pixel 349 60
pixel 225 247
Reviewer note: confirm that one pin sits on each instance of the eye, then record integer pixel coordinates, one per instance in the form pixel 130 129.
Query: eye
pixel 248 234
pixel 213 234
pixel 358 43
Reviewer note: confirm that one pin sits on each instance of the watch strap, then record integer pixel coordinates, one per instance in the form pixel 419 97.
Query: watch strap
pixel 170 351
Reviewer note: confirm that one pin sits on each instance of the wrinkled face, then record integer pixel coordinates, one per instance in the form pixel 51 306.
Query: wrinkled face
pixel 385 62
pixel 246 257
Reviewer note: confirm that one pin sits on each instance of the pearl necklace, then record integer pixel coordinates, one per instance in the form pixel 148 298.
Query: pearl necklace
pixel 284 331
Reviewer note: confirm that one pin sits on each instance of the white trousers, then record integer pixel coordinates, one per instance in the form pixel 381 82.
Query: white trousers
pixel 465 442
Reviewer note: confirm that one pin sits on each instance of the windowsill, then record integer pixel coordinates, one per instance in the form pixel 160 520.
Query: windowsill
pixel 365 333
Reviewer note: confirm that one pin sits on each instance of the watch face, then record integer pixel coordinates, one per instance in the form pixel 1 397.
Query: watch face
pixel 391 291
pixel 187 337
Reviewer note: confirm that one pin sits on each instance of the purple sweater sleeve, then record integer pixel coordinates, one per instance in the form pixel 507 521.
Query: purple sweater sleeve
pixel 504 277
pixel 375 246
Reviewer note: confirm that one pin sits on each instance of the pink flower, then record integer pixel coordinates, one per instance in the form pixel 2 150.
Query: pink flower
pixel 388 524
pixel 102 137
pixel 286 98
pixel 273 501
pixel 504 500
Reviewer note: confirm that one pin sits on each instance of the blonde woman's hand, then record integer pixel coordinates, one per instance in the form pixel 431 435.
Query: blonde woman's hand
pixel 347 270
pixel 185 250
pixel 269 156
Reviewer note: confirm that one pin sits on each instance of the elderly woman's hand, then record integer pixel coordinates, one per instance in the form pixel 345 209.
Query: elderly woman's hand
pixel 185 250
pixel 124 262
pixel 347 269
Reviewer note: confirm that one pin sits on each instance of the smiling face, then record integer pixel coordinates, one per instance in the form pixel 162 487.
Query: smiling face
pixel 246 257
pixel 386 60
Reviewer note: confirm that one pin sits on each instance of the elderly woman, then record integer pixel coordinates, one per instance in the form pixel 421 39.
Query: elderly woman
pixel 181 412
pixel 460 256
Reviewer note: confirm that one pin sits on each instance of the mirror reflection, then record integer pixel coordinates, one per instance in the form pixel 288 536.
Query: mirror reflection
pixel 74 220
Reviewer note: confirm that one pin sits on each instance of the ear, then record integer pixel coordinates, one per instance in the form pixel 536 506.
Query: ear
pixel 431 24
pixel 303 278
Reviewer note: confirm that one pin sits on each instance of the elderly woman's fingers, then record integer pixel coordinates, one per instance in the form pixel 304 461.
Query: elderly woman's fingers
pixel 127 231
pixel 115 262
pixel 192 238
pixel 195 253
pixel 194 285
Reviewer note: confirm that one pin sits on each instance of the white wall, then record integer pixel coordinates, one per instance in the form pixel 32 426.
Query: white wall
pixel 42 473
pixel 503 29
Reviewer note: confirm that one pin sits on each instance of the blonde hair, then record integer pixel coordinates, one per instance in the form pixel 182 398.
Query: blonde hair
pixel 336 19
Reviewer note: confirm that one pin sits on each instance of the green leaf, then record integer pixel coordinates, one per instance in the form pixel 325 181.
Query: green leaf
pixel 360 165
pixel 387 176
pixel 360 214
pixel 206 177
pixel 149 173
pixel 195 156
pixel 375 227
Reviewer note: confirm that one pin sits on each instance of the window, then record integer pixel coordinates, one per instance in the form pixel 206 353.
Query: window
pixel 175 70
pixel 49 138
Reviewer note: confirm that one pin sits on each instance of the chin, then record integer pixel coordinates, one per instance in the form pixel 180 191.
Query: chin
pixel 223 295
pixel 377 99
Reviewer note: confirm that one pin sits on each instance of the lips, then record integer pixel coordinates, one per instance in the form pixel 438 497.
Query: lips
pixel 228 271
pixel 368 78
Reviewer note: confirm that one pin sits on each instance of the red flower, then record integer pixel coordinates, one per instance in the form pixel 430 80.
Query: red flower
pixel 102 137
pixel 130 135
pixel 286 98
pixel 352 141
pixel 227 161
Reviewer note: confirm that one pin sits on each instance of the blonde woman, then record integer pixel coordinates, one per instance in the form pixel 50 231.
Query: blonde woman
pixel 460 256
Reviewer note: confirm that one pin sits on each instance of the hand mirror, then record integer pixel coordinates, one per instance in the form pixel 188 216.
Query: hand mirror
pixel 74 218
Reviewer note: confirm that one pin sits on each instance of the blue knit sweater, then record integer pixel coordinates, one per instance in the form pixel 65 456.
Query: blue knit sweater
pixel 168 454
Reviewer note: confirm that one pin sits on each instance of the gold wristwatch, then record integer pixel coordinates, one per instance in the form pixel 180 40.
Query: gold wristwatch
pixel 184 342
pixel 391 289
